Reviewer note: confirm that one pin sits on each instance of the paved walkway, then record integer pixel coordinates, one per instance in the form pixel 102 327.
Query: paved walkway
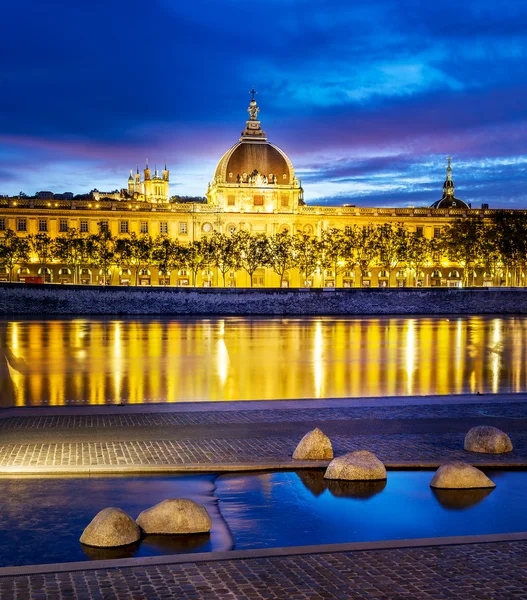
pixel 50 440
pixel 423 434
pixel 491 571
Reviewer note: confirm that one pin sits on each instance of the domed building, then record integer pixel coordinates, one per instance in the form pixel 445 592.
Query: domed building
pixel 448 200
pixel 255 175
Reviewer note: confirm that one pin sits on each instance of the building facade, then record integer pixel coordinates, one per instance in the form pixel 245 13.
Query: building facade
pixel 254 188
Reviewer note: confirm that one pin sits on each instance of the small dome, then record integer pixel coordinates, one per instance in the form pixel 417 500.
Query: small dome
pixel 450 202
pixel 249 156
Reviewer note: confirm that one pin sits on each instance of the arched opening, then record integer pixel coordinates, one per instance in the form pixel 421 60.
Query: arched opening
pixel 183 278
pixel 348 278
pixel 125 277
pixel 454 279
pixel 65 275
pixel 207 276
pixel 85 276
pixel 401 277
pixel 22 273
pixel 383 278
pixel 46 274
pixel 164 277
pixel 144 276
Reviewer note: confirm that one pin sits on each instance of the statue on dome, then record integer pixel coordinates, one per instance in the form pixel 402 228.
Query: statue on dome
pixel 253 110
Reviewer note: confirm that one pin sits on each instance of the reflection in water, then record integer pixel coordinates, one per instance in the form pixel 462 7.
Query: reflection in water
pixel 97 361
pixel 313 480
pixel 461 499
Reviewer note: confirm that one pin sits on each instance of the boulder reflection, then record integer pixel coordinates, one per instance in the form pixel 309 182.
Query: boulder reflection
pixel 460 499
pixel 93 553
pixel 359 490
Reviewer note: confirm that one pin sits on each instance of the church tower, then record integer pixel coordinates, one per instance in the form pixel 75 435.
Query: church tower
pixel 138 187
pixel 131 184
pixel 147 183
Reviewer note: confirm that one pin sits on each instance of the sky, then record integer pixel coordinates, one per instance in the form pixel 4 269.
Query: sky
pixel 366 98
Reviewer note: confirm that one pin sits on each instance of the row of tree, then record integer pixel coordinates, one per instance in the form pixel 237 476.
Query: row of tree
pixel 498 246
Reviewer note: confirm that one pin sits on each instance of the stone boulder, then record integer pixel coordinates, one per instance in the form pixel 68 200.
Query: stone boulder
pixel 110 528
pixel 490 440
pixel 356 466
pixel 315 445
pixel 458 475
pixel 175 515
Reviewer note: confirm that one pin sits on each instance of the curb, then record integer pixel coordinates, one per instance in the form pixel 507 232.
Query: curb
pixel 35 471
pixel 127 563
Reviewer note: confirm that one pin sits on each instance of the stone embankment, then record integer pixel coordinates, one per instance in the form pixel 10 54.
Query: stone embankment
pixel 25 299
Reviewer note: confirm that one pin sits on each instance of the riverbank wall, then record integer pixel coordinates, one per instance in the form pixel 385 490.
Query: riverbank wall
pixel 49 300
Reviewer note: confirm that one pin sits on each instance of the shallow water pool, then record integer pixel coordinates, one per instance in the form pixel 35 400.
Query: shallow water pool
pixel 42 519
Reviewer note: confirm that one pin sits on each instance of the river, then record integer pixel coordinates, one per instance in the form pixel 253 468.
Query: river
pixel 143 360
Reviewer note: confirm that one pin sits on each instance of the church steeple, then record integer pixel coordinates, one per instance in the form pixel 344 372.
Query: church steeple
pixel 253 129
pixel 448 186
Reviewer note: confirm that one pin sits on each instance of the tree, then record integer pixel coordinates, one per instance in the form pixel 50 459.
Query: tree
pixel 364 242
pixel 509 234
pixel 163 255
pixel 71 250
pixel 43 246
pixel 198 257
pixel 281 254
pixel 224 253
pixel 306 252
pixel 391 244
pixel 462 242
pixel 101 252
pixel 416 252
pixel 335 251
pixel 14 250
pixel 135 251
pixel 252 250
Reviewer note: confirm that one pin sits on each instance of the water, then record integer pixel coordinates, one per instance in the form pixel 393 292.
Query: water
pixel 101 361
pixel 41 520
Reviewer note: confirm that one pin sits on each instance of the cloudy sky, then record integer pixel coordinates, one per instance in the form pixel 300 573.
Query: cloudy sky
pixel 367 98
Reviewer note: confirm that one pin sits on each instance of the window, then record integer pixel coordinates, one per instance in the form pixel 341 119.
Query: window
pixel 2 225
pixel 163 227
pixel 284 198
pixel 347 230
pixel 21 224
pixel 103 226
pixel 258 200
pixel 231 200
pixel 419 231
pixel 42 225
pixel 63 225
pixel 123 226
pixel 437 232
pixel 183 228
pixel 231 228
pixel 84 226
pixel 144 227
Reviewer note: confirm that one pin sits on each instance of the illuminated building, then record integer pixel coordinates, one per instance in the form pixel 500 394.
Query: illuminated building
pixel 254 188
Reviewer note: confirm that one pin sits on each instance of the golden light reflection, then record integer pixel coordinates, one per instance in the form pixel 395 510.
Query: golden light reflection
pixel 99 361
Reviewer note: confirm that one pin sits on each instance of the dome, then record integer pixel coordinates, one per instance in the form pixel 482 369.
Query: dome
pixel 253 157
pixel 449 200
pixel 248 156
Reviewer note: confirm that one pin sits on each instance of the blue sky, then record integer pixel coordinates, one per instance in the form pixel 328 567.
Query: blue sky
pixel 367 98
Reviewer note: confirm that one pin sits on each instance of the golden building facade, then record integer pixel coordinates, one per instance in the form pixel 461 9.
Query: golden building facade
pixel 254 188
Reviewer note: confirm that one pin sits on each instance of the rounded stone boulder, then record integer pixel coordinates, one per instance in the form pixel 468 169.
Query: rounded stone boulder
pixel 315 445
pixel 488 439
pixel 458 475
pixel 174 516
pixel 110 528
pixel 356 466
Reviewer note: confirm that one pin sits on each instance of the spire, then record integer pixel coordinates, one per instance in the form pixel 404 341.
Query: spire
pixel 146 164
pixel 253 130
pixel 448 187
pixel 131 177
pixel 137 172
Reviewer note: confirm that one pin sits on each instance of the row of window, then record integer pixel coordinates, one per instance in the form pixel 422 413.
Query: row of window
pixel 21 225
pixel 258 200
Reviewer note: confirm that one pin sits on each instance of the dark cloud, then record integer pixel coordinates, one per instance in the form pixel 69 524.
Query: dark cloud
pixel 379 90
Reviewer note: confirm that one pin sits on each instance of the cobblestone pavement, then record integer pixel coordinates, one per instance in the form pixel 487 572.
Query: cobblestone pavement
pixel 425 433
pixel 492 571
pixel 389 448
pixel 516 410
